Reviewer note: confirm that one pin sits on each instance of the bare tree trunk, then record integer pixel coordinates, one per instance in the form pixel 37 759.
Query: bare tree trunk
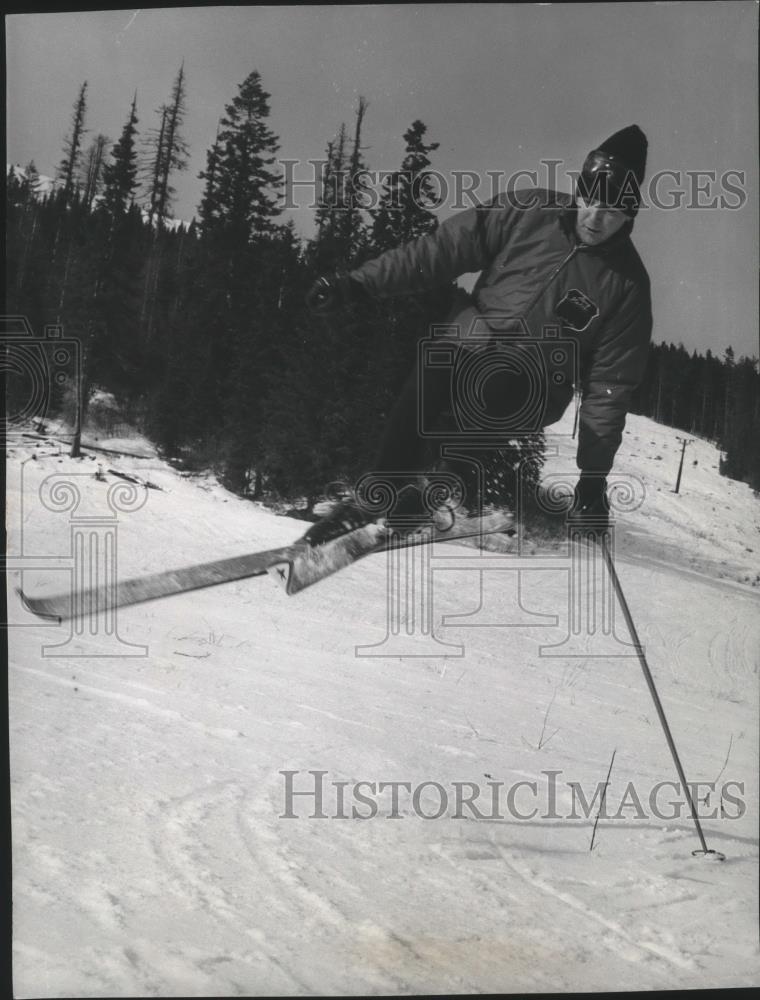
pixel 79 414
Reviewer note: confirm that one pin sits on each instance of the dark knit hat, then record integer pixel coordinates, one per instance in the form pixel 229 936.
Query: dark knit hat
pixel 614 170
pixel 629 145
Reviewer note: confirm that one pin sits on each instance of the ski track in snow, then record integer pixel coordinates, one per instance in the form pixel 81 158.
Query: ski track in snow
pixel 150 852
pixel 617 938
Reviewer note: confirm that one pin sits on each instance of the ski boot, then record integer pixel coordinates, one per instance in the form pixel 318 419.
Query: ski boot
pixel 345 517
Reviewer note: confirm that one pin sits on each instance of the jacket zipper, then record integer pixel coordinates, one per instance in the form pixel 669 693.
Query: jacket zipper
pixel 550 279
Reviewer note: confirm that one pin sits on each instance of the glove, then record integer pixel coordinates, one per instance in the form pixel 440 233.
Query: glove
pixel 327 295
pixel 590 501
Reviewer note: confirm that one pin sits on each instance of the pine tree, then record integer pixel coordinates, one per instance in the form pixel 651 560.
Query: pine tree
pixel 327 249
pixel 169 152
pixel 209 210
pixel 72 150
pixel 119 354
pixel 155 142
pixel 404 213
pixel 715 395
pixel 339 375
pixel 32 228
pixel 175 153
pixel 238 272
pixel 23 185
pixel 326 197
pixel 342 238
pixel 725 394
pixel 741 421
pixel 120 175
pixel 91 178
pixel 355 225
pixel 31 183
pixel 682 389
pixel 242 190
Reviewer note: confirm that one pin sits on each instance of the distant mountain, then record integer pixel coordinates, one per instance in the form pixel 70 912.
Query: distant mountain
pixel 47 185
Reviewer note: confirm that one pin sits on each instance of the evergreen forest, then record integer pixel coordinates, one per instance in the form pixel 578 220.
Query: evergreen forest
pixel 199 329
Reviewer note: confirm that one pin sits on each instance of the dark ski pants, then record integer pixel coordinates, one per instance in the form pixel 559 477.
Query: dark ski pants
pixel 403 445
pixel 434 396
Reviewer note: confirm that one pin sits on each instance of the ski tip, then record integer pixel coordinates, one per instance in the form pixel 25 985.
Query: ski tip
pixel 33 607
pixel 281 572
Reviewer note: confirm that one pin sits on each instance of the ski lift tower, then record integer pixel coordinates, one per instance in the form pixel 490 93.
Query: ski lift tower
pixel 684 442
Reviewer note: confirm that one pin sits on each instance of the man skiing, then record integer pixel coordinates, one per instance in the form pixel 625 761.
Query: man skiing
pixel 551 265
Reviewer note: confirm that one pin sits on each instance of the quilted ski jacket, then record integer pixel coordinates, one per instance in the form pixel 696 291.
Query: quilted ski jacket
pixel 583 311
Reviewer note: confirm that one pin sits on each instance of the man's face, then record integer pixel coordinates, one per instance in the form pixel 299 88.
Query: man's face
pixel 595 224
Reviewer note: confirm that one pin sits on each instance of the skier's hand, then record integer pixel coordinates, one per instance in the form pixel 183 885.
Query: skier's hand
pixel 327 295
pixel 590 503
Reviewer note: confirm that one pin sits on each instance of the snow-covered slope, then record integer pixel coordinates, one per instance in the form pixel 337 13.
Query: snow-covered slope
pixel 152 852
pixel 712 524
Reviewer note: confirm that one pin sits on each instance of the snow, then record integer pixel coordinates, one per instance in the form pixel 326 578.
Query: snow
pixel 150 852
pixel 48 185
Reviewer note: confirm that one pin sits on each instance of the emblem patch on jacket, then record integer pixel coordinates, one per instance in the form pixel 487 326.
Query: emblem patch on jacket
pixel 576 309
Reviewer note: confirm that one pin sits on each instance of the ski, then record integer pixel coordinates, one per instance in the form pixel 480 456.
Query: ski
pixel 304 566
pixel 77 603
pixel 294 567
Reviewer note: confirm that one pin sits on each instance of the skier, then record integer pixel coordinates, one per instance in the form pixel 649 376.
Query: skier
pixel 551 264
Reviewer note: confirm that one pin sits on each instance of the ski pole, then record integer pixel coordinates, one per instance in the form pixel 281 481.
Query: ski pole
pixel 655 696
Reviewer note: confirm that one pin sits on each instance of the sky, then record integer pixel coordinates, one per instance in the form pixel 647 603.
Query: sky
pixel 501 87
